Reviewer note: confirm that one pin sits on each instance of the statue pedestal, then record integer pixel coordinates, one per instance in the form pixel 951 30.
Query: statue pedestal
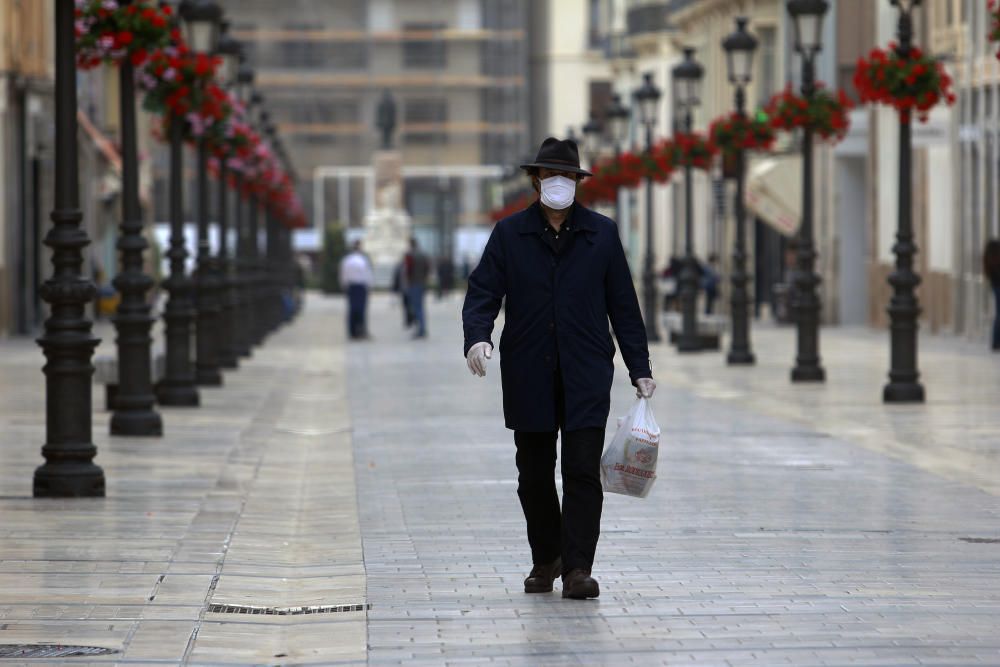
pixel 388 228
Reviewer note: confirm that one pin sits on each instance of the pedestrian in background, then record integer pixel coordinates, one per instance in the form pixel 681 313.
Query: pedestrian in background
pixel 991 269
pixel 710 282
pixel 356 278
pixel 563 272
pixel 416 270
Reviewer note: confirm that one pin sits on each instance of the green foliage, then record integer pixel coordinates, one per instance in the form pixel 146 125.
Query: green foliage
pixel 334 250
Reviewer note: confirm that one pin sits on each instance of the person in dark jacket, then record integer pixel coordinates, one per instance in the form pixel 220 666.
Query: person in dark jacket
pixel 561 271
pixel 991 269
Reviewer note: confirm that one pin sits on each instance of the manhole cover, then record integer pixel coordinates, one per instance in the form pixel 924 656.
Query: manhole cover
pixel 50 651
pixel 980 540
pixel 285 611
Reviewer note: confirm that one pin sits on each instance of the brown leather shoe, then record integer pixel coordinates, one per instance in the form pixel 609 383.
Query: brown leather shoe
pixel 579 585
pixel 541 577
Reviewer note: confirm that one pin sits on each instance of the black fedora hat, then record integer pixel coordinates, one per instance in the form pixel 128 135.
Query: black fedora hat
pixel 560 154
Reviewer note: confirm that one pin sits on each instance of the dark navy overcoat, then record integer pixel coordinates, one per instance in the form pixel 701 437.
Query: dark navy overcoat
pixel 557 310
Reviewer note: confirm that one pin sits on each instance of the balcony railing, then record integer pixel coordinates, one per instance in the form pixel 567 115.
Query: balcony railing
pixel 651 17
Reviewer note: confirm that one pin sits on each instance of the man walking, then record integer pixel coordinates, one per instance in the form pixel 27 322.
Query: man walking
pixel 356 278
pixel 563 272
pixel 416 269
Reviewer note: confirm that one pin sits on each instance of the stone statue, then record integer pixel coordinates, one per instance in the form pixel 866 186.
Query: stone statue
pixel 385 118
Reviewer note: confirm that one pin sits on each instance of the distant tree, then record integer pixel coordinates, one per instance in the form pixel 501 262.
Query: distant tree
pixel 334 249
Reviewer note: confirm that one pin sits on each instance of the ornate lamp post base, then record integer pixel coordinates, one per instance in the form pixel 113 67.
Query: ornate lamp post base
pixel 903 392
pixel 73 479
pixel 177 395
pixel 735 358
pixel 808 374
pixel 140 423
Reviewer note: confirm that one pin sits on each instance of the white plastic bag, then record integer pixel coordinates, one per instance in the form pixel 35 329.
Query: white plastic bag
pixel 628 465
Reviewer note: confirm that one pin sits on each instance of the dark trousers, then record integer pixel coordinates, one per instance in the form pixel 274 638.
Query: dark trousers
pixel 573 532
pixel 357 302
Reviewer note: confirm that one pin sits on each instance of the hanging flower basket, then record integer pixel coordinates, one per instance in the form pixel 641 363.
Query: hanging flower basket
pixel 692 150
pixel 914 83
pixel 659 164
pixel 737 132
pixel 107 32
pixel 994 10
pixel 825 113
pixel 176 82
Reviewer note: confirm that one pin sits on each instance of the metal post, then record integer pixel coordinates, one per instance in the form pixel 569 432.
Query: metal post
pixel 244 311
pixel 904 310
pixel 69 470
pixel 649 273
pixel 272 291
pixel 133 406
pixel 688 340
pixel 177 388
pixel 740 352
pixel 208 372
pixel 805 298
pixel 256 278
pixel 227 307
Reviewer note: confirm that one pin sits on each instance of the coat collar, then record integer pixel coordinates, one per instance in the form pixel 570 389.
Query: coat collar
pixel 533 219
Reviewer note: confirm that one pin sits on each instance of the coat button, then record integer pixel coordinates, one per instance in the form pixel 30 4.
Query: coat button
pixel 552 325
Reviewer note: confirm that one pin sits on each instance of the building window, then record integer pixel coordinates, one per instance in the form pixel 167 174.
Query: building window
pixel 597 28
pixel 421 48
pixel 426 118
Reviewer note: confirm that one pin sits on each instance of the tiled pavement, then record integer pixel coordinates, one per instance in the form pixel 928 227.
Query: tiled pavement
pixel 789 525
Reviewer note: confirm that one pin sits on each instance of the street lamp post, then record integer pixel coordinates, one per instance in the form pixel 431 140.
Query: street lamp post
pixel 201 23
pixel 134 414
pixel 618 119
pixel 69 470
pixel 807 18
pixel 687 78
pixel 904 310
pixel 229 49
pixel 740 46
pixel 593 132
pixel 178 387
pixel 647 99
pixel 244 268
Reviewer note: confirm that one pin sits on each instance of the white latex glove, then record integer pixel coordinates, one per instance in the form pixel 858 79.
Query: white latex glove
pixel 477 357
pixel 644 388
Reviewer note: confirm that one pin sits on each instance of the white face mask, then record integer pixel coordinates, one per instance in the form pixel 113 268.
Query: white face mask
pixel 558 192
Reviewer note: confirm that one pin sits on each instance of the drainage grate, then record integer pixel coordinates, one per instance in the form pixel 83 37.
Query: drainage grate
pixel 50 651
pixel 980 540
pixel 285 611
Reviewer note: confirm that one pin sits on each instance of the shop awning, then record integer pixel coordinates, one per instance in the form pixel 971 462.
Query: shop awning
pixel 774 192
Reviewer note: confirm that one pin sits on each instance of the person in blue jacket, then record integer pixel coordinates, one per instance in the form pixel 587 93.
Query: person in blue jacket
pixel 561 271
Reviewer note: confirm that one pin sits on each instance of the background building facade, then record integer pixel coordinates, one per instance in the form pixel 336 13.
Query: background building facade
pixel 456 70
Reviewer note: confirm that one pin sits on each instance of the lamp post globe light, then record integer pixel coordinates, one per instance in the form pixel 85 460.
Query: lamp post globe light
pixel 740 47
pixel 647 98
pixel 807 16
pixel 687 79
pixel 229 50
pixel 134 413
pixel 69 470
pixel 904 310
pixel 244 308
pixel 201 28
pixel 178 387
pixel 593 135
